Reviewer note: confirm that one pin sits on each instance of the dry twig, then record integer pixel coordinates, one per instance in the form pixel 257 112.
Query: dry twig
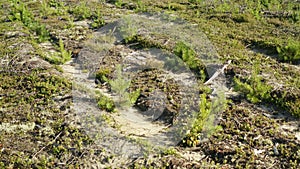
pixel 217 73
pixel 51 142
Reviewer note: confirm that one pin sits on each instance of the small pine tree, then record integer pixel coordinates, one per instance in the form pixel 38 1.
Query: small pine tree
pixel 120 85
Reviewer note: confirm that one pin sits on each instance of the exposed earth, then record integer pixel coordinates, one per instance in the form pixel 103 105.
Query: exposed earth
pixel 142 84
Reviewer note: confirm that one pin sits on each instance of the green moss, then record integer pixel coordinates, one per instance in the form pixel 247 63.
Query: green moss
pixel 33 88
pixel 240 18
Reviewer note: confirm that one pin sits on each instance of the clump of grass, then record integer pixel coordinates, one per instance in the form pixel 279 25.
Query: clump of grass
pixel 289 52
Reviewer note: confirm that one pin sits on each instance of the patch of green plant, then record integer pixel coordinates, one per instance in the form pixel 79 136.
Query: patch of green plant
pixel 203 124
pixel 169 151
pixel 289 52
pixel 255 89
pixel 133 96
pixel 108 119
pixel 240 18
pixel 269 46
pixel 58 8
pixel 104 102
pixel 225 6
pixel 288 101
pixel 81 11
pixel 46 10
pixel 65 55
pixel 102 74
pixel 119 3
pixel 175 6
pixel 21 13
pixel 141 42
pixel 189 56
pixel 140 6
pixel 53 7
pixel 296 16
pixel 256 8
pixel 34 88
pixel 293 107
pixel 98 20
pixel 195 1
pixel 29 97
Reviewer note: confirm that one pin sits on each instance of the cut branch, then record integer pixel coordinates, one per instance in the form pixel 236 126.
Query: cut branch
pixel 217 73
